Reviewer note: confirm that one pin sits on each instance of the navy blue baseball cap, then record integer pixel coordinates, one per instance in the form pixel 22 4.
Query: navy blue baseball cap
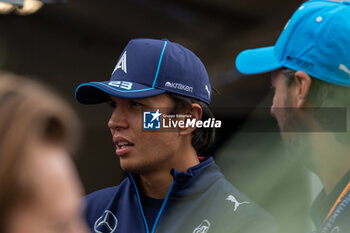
pixel 149 67
pixel 315 40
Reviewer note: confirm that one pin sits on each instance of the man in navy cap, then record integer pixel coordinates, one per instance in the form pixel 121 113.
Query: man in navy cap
pixel 310 65
pixel 161 123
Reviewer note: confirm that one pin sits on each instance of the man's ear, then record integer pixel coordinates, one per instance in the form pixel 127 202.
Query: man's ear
pixel 196 112
pixel 301 86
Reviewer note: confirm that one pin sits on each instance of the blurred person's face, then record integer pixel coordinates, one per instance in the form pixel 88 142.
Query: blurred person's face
pixel 54 205
pixel 285 109
pixel 281 101
pixel 141 151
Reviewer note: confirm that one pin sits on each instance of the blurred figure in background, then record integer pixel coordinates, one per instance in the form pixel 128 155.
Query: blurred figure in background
pixel 310 75
pixel 39 188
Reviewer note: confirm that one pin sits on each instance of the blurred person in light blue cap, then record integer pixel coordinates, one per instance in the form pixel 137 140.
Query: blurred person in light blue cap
pixel 310 65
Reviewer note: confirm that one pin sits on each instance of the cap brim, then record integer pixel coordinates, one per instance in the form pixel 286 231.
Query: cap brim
pixel 256 61
pixel 97 92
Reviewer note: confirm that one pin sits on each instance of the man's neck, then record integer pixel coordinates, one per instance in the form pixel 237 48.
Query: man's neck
pixel 157 183
pixel 331 162
pixel 329 182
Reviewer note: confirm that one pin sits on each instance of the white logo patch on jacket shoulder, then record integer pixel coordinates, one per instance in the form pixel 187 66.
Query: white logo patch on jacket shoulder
pixel 121 64
pixel 236 203
pixel 107 223
pixel 203 227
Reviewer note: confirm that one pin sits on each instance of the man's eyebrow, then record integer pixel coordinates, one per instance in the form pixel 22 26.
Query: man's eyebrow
pixel 111 101
pixel 273 78
pixel 273 83
pixel 141 100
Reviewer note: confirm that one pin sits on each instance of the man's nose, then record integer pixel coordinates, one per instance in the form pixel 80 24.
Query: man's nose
pixel 118 119
pixel 272 111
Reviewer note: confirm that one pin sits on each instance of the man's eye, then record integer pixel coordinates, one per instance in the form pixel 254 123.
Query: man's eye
pixel 112 104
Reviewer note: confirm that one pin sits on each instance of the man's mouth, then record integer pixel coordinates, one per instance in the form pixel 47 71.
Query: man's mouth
pixel 123 144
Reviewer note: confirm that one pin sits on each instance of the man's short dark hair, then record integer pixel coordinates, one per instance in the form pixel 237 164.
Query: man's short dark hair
pixel 324 95
pixel 321 93
pixel 202 138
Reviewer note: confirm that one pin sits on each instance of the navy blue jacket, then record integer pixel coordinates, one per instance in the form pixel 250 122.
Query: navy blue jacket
pixel 199 201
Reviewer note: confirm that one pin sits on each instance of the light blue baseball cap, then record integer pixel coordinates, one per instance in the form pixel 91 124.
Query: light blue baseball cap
pixel 315 40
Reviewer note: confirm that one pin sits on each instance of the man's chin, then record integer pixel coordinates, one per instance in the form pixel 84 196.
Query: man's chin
pixel 130 167
pixel 296 146
pixel 126 166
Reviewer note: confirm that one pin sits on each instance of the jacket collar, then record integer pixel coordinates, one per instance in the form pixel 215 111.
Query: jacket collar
pixel 196 179
pixel 323 203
